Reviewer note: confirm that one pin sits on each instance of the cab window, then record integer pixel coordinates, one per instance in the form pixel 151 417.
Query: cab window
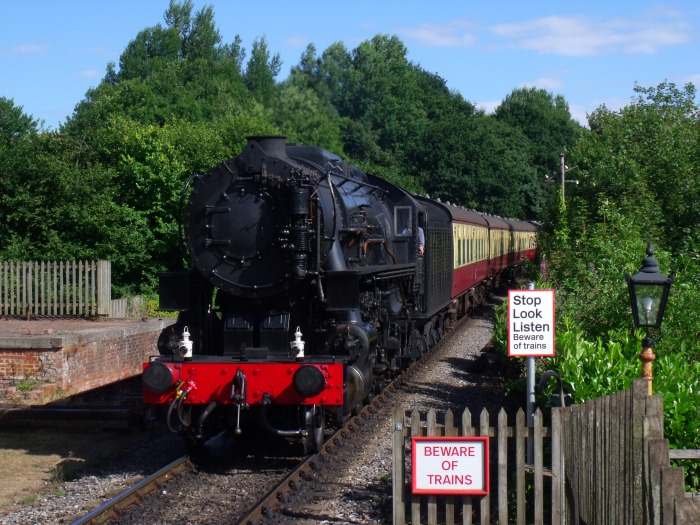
pixel 402 221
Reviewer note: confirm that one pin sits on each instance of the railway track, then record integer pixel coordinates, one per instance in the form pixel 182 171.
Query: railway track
pixel 114 507
pixel 311 467
pixel 307 468
pixel 268 503
pixel 290 483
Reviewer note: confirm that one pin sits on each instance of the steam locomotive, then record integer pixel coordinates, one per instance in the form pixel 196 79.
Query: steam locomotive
pixel 311 285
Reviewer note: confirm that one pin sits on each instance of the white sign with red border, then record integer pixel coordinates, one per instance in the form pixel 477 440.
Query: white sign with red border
pixel 450 465
pixel 531 323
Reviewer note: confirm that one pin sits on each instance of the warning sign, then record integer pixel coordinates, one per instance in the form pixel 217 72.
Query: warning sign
pixel 531 323
pixel 447 465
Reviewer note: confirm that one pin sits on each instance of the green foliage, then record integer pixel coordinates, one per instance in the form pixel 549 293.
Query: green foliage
pixel 639 169
pixel 645 157
pixel 499 334
pixel 545 120
pixel 591 369
pixel 17 154
pixel 61 212
pixel 304 118
pixel 588 272
pixel 261 71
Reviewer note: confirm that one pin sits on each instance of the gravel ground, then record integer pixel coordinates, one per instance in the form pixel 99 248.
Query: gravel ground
pixel 68 501
pixel 464 375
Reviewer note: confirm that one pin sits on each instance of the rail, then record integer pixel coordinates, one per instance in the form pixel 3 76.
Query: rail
pixel 135 494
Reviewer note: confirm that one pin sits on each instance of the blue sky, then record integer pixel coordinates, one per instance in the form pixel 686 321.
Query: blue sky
pixel 592 52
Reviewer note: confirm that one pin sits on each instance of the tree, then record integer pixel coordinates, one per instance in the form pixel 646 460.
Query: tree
pixel 180 71
pixel 261 71
pixel 304 118
pixel 646 158
pixel 56 210
pixel 544 118
pixel 17 132
pixel 18 135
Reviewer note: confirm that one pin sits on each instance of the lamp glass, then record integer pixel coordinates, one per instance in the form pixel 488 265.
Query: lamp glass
pixel 648 298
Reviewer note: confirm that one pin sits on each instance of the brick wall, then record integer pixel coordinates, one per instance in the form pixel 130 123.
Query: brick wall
pixel 14 363
pixel 78 362
pixel 90 365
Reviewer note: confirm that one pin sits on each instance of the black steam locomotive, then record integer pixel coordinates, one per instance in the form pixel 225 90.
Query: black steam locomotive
pixel 312 284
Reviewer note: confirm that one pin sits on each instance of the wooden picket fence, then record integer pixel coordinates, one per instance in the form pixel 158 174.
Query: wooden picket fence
pixel 608 464
pixel 617 462
pixel 474 509
pixel 62 288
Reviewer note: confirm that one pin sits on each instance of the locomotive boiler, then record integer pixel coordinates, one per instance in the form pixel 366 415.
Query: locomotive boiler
pixel 305 294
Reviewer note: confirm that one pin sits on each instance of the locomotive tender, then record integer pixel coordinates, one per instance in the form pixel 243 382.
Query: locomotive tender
pixel 308 291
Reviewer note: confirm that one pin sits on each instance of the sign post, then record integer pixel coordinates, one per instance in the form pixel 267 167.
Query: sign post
pixel 530 335
pixel 531 323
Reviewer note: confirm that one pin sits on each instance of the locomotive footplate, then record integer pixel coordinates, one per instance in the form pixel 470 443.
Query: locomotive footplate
pixel 209 378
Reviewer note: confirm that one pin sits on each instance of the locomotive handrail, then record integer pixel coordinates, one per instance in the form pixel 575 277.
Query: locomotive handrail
pixel 407 268
pixel 360 183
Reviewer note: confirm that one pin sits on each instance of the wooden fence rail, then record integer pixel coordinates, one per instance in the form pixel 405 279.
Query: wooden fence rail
pixel 63 288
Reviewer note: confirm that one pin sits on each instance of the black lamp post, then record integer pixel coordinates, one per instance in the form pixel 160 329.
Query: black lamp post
pixel 649 290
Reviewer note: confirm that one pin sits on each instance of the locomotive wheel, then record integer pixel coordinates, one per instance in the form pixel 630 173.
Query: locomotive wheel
pixel 423 346
pixel 314 424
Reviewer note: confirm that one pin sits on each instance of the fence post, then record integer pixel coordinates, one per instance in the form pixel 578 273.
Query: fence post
pixel 486 499
pixel 557 468
pixel 104 287
pixel 467 430
pixel 398 474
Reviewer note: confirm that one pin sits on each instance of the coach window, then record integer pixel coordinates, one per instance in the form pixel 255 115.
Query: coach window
pixel 470 259
pixel 472 245
pixel 402 221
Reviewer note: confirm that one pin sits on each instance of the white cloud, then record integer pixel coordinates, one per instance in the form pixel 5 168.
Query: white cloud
pixel 579 114
pixel 25 49
pixel 489 106
pixel 693 79
pixel 296 41
pixel 548 83
pixel 587 36
pixel 452 34
pixel 90 73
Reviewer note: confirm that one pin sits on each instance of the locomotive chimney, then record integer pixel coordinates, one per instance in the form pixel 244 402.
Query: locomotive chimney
pixel 272 145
